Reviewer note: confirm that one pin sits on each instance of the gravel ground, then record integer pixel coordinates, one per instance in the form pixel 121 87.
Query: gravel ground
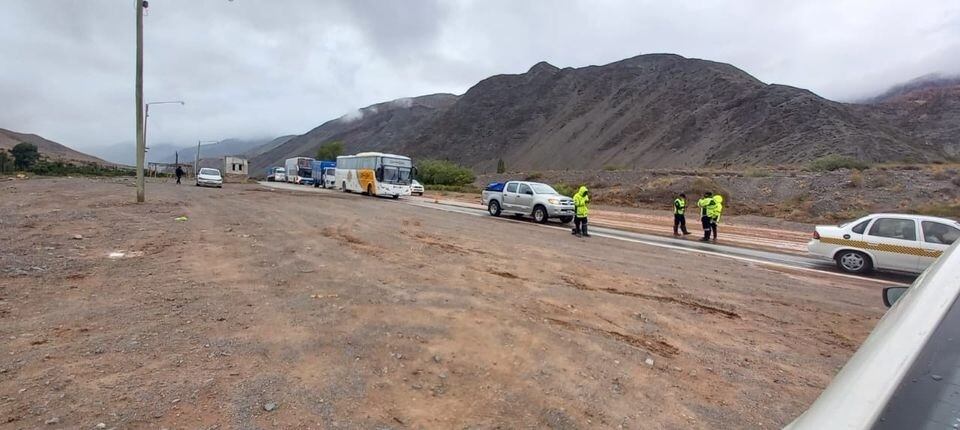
pixel 274 309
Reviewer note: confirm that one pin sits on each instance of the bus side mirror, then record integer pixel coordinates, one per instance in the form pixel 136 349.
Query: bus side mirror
pixel 414 172
pixel 892 294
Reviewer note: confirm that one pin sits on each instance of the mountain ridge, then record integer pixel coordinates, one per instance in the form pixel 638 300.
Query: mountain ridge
pixel 652 110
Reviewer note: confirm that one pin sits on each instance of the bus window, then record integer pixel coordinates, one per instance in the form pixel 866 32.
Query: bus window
pixel 390 174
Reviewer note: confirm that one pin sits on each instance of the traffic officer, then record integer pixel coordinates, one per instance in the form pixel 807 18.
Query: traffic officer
pixel 580 200
pixel 679 219
pixel 704 204
pixel 714 211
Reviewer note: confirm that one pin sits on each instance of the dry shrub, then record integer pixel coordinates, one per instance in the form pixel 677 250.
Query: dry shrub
pixel 856 178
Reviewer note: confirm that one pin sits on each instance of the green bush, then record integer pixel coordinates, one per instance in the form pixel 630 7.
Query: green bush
pixel 60 168
pixel 330 151
pixel 833 162
pixel 565 189
pixel 441 172
pixel 468 188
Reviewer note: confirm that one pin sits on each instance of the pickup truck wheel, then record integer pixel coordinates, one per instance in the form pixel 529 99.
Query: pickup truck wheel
pixel 494 208
pixel 854 262
pixel 540 214
pixel 566 219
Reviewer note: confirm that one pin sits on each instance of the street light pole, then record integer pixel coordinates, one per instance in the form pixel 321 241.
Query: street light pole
pixel 146 117
pixel 139 96
pixel 196 164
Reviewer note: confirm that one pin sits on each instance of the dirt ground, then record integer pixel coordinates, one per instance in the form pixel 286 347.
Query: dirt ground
pixel 275 309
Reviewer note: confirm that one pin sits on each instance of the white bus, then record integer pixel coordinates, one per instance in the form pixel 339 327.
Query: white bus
pixel 375 173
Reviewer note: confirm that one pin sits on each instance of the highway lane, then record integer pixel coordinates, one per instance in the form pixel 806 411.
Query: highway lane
pixel 769 258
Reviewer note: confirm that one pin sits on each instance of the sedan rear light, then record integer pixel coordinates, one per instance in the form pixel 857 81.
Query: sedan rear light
pixel 816 235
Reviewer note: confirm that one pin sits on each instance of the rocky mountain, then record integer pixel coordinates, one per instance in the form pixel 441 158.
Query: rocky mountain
pixel 260 149
pixel 927 108
pixel 657 110
pixel 47 148
pixel 384 127
pixel 232 146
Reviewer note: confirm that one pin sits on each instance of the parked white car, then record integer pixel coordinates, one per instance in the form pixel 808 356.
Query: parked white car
pixel 280 174
pixel 209 178
pixel 416 188
pixel 906 373
pixel 907 243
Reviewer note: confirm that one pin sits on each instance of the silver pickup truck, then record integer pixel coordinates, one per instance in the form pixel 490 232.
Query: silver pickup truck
pixel 522 198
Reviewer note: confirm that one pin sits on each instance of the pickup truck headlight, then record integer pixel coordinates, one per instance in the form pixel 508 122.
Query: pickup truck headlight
pixel 554 201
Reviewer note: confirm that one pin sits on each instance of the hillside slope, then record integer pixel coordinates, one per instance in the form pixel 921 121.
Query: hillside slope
pixel 47 148
pixel 927 108
pixel 385 127
pixel 657 110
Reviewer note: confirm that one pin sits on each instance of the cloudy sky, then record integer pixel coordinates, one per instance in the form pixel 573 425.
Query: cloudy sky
pixel 257 68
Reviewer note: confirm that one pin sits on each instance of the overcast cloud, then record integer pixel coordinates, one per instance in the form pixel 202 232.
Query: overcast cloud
pixel 257 68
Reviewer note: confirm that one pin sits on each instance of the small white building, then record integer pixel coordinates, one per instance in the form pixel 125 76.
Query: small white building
pixel 235 169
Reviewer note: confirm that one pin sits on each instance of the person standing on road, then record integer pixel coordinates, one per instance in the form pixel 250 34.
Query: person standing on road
pixel 580 200
pixel 679 218
pixel 179 174
pixel 714 211
pixel 708 226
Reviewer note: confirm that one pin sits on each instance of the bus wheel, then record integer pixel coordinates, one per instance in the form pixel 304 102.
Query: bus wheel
pixel 396 196
pixel 370 190
pixel 343 187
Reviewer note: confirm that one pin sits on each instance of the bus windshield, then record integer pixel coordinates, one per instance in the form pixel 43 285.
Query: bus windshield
pixel 395 175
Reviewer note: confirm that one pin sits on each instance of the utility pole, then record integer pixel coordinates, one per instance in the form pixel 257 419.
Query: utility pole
pixel 141 145
pixel 196 164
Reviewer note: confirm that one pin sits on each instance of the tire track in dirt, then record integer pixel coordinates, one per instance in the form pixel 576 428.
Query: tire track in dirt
pixel 650 343
pixel 662 299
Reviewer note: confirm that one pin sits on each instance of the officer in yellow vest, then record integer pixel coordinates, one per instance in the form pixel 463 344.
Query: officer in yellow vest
pixel 708 224
pixel 580 200
pixel 679 218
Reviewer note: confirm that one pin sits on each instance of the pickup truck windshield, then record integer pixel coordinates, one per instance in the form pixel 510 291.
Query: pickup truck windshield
pixel 543 189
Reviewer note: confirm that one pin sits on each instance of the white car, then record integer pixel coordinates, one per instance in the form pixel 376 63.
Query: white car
pixel 209 178
pixel 416 188
pixel 906 375
pixel 907 243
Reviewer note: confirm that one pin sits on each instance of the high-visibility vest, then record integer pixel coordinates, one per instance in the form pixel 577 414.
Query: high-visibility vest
pixel 714 210
pixel 704 205
pixel 679 205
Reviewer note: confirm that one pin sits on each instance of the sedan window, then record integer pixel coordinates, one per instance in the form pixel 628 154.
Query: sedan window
pixel 894 228
pixel 935 232
pixel 860 228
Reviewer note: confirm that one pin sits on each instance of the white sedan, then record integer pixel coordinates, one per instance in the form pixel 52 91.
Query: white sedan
pixel 209 178
pixel 416 188
pixel 907 243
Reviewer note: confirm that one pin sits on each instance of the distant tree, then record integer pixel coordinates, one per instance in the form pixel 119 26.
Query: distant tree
pixel 6 161
pixel 330 150
pixel 501 167
pixel 25 155
pixel 441 172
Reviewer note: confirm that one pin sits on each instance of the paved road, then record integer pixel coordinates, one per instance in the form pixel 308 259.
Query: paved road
pixel 769 258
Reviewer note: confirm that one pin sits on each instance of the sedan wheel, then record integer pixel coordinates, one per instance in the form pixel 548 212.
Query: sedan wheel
pixel 854 262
